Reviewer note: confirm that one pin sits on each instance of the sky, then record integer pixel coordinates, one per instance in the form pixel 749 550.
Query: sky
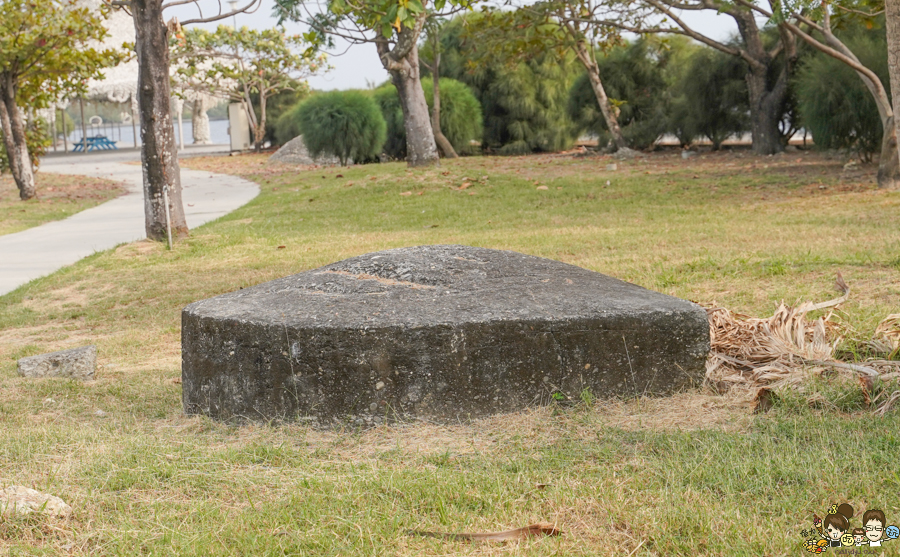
pixel 358 67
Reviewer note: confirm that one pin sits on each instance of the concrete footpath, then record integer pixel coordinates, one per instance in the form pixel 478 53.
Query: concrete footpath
pixel 39 251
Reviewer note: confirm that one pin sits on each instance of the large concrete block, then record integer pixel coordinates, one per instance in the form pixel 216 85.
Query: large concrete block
pixel 437 332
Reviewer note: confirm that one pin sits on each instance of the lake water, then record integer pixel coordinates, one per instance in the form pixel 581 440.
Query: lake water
pixel 124 137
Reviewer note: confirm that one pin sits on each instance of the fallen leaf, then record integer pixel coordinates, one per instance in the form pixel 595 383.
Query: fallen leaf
pixel 532 531
pixel 281 247
pixel 472 192
pixel 464 185
pixel 406 193
pixel 177 380
pixel 542 187
pixel 420 192
pixel 339 176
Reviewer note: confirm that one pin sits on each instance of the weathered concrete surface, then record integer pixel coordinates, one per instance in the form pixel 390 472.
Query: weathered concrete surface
pixel 77 363
pixel 438 332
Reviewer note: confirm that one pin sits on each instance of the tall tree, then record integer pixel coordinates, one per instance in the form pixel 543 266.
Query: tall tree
pixel 243 65
pixel 814 25
pixel 46 52
pixel 163 209
pixel 394 27
pixel 533 28
pixel 769 67
pixel 523 99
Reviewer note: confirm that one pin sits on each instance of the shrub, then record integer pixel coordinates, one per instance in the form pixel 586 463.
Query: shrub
pixel 276 106
pixel 345 124
pixel 460 116
pixel 710 98
pixel 839 110
pixel 523 103
pixel 389 102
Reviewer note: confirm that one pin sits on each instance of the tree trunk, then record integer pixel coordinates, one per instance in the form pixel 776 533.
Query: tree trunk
pixel 260 131
pixel 442 142
pixel 767 97
pixel 200 121
pixel 14 139
pixel 765 114
pixel 421 149
pixel 889 161
pixel 609 115
pixel 892 15
pixel 159 157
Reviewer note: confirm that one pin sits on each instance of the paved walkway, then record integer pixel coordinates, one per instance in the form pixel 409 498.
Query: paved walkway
pixel 41 250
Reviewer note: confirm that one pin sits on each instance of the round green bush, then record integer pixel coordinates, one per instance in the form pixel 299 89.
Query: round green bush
pixel 461 119
pixel 344 124
pixel 389 102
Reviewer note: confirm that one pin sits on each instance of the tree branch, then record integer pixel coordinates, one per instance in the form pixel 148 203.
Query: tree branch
pixel 246 9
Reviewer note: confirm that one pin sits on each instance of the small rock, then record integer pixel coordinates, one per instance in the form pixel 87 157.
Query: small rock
pixel 18 499
pixel 100 413
pixel 295 152
pixel 77 363
pixel 379 385
pixel 626 153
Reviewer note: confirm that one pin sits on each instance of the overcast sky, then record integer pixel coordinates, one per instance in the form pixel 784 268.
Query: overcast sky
pixel 359 65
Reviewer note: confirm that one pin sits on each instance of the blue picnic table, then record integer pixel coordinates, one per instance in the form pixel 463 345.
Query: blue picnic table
pixel 95 142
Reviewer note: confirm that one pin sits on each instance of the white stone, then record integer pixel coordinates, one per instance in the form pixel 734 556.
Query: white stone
pixel 24 500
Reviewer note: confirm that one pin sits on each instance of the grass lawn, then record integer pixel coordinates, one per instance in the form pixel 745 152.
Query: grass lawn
pixel 691 474
pixel 58 196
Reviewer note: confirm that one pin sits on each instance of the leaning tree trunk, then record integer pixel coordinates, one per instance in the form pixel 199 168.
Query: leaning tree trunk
pixel 15 141
pixel 609 115
pixel 159 156
pixel 421 149
pixel 892 15
pixel 442 142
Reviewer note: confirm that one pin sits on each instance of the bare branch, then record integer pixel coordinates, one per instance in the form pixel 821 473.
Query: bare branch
pixel 254 4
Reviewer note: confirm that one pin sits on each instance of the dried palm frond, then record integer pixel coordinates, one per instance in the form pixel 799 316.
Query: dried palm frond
pixel 887 335
pixel 785 348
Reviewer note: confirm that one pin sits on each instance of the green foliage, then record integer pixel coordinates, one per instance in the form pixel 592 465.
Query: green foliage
pixel 346 124
pixel 45 48
pixel 389 103
pixel 461 120
pixel 710 98
pixel 387 17
pixel 635 84
pixel 277 105
pixel 460 116
pixel 38 140
pixel 838 109
pixel 523 102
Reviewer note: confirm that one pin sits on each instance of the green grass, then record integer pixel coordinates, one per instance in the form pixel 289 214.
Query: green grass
pixel 691 474
pixel 58 196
